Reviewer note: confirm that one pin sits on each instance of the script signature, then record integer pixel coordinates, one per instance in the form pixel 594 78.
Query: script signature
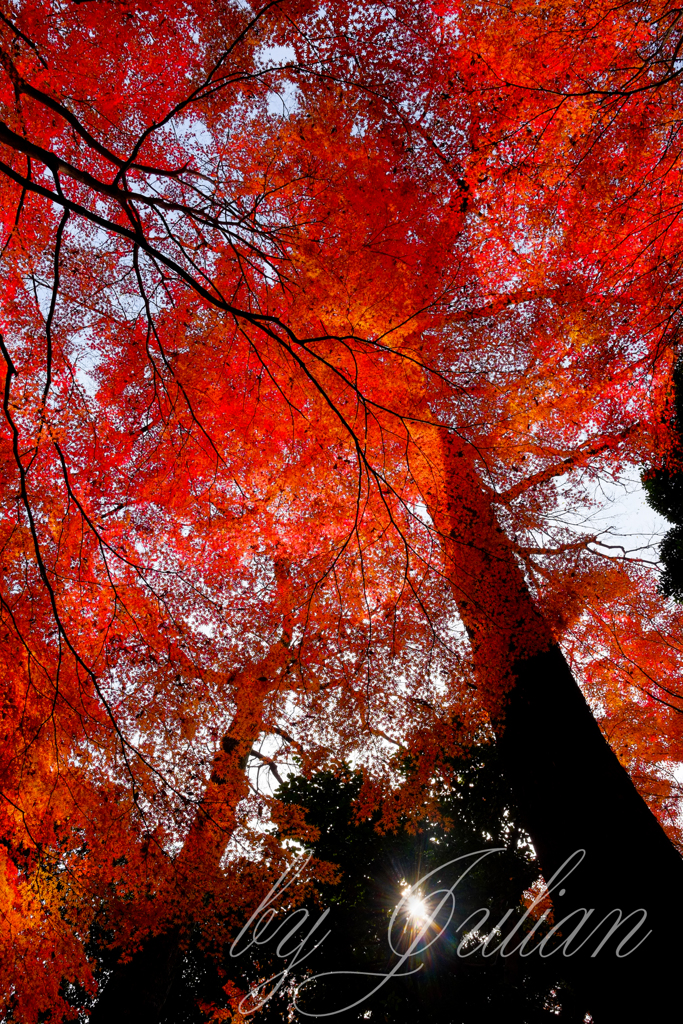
pixel 294 945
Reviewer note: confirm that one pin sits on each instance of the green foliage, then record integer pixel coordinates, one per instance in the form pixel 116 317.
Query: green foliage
pixel 375 867
pixel 671 553
pixel 664 491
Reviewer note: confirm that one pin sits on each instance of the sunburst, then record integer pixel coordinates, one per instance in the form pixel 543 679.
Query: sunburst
pixel 416 909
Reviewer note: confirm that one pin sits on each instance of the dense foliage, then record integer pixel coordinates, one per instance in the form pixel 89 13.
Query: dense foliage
pixel 473 813
pixel 321 327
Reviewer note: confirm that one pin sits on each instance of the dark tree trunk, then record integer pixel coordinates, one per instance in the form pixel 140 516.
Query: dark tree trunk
pixel 573 794
pixel 571 790
pixel 137 992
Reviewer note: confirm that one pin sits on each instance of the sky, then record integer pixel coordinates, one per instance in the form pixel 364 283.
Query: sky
pixel 638 527
pixel 630 520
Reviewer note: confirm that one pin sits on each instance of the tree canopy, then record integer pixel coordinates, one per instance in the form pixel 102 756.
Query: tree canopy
pixel 321 325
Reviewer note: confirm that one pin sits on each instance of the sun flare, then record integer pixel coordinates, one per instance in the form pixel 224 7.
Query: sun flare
pixel 417 909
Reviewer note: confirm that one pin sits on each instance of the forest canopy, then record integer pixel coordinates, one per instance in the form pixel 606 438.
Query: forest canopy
pixel 321 327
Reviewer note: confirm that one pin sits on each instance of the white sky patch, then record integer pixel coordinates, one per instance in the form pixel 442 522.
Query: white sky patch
pixel 86 360
pixel 627 520
pixel 284 97
pixel 614 517
pixel 633 524
pixel 284 100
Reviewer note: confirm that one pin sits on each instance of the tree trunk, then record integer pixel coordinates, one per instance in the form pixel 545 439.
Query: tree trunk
pixel 137 991
pixel 571 790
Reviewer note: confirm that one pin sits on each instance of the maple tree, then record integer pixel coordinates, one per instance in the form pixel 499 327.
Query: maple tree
pixel 371 869
pixel 295 350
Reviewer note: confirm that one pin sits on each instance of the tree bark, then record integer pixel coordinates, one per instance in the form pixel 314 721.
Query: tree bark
pixel 137 991
pixel 571 790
